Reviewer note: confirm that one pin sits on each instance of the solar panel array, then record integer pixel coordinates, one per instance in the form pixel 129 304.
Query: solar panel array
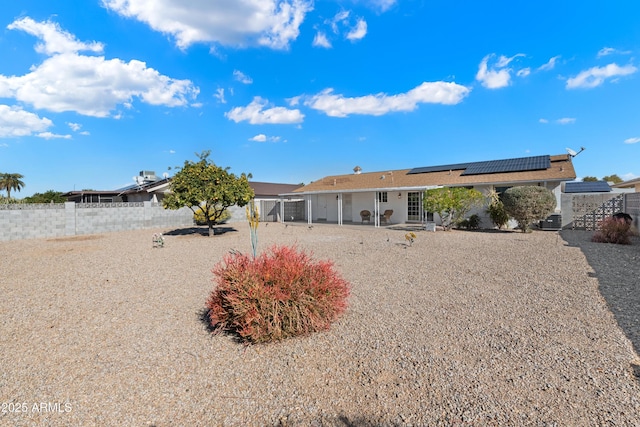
pixel 587 187
pixel 492 166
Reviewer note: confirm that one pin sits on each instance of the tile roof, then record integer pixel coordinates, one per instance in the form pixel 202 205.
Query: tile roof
pixel 560 169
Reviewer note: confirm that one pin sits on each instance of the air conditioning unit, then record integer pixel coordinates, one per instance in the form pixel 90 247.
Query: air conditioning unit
pixel 552 222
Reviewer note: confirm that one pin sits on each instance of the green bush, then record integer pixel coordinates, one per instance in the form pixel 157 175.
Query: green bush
pixel 613 230
pixel 471 223
pixel 200 219
pixel 280 294
pixel 528 204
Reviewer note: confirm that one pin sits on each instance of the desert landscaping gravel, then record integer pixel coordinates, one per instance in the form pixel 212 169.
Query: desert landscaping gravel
pixel 458 329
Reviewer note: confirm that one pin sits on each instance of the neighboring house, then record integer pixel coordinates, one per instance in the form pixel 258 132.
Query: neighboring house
pixel 341 198
pixel 632 184
pixel 148 188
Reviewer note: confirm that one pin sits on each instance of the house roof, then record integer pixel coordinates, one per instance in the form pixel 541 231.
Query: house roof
pixel 628 184
pixel 587 187
pixel 270 189
pixel 558 168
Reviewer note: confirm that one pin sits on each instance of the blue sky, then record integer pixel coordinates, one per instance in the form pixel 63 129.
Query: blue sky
pixel 294 90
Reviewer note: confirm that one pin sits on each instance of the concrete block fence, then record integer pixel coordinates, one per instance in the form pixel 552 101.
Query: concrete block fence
pixel 32 221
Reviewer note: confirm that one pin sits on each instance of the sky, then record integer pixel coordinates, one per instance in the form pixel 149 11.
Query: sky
pixel 93 92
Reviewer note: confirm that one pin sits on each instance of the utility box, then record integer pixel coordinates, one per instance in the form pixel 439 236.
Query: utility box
pixel 552 222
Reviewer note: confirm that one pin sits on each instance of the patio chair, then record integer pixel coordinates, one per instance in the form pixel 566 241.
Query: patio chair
pixel 386 216
pixel 366 216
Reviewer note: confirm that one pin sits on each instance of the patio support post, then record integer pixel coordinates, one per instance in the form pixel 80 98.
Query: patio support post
pixel 309 217
pixel 340 209
pixel 376 210
pixel 281 209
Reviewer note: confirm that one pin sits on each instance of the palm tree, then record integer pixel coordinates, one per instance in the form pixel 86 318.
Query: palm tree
pixel 11 181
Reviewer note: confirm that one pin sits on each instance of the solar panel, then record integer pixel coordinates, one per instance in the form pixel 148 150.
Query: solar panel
pixel 492 166
pixel 509 165
pixel 442 168
pixel 587 187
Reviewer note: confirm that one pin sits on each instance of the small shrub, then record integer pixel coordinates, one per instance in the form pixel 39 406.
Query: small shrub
pixel 613 230
pixel 498 214
pixel 200 219
pixel 280 294
pixel 410 237
pixel 471 223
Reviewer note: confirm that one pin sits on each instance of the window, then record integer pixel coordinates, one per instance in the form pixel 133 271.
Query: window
pixel 382 196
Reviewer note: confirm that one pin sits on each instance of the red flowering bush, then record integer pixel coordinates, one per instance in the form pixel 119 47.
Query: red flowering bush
pixel 280 294
pixel 613 230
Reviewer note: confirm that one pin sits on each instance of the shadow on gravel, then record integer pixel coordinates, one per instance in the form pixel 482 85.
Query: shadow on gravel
pixel 203 231
pixel 203 317
pixel 617 268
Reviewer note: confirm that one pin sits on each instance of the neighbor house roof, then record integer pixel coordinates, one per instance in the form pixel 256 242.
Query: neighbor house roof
pixel 520 170
pixel 632 183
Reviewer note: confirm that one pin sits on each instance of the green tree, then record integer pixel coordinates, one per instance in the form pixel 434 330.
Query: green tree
pixel 612 178
pixel 528 204
pixel 49 196
pixel 451 203
pixel 203 185
pixel 11 181
pixel 590 179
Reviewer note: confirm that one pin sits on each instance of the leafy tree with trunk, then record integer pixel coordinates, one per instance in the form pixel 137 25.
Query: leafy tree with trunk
pixel 590 179
pixel 11 181
pixel 451 203
pixel 528 204
pixel 204 186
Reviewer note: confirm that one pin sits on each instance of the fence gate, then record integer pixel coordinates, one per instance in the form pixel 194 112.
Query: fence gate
pixel 588 210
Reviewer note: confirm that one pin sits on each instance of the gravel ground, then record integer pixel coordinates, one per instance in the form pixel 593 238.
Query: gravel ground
pixel 461 328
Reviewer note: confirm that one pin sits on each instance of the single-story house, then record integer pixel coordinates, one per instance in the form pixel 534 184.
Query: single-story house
pixel 341 198
pixel 632 184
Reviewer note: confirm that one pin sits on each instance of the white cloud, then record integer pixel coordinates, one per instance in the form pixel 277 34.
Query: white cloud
pixel 320 40
pixel 380 104
pixel 242 77
pixel 263 138
pixel 259 138
pixel 256 114
pixel 54 40
pixel 595 76
pixel 271 23
pixel 89 85
pixel 629 176
pixel 499 74
pixel 566 121
pixel 605 51
pixel 550 65
pixel 16 122
pixel 523 72
pixel 632 140
pixel 358 32
pixel 543 121
pixel 382 5
pixel 49 135
pixel 74 126
pixel 219 95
